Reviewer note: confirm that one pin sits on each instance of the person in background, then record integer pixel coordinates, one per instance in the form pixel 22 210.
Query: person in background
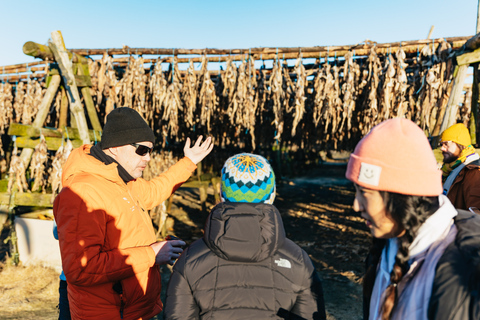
pixel 425 258
pixel 244 267
pixel 63 307
pixel 461 168
pixel 110 254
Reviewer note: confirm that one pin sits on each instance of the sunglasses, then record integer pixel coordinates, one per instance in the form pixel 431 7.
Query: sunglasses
pixel 141 150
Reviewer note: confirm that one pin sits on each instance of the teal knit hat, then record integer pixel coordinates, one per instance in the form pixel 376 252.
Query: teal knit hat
pixel 249 178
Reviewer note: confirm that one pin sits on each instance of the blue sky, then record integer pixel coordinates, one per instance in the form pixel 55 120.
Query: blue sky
pixel 227 24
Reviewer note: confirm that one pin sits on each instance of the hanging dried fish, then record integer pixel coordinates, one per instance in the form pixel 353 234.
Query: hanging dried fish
pixel 55 172
pixel 348 90
pixel 401 84
pixel 299 103
pixel 6 108
pixel 251 103
pixel 374 69
pixel 139 87
pixel 189 95
pixel 236 105
pixel 322 86
pixel 172 105
pixel 158 88
pixel 207 98
pixel 19 101
pixel 101 77
pixel 16 173
pixel 277 95
pixel 230 80
pixel 38 164
pixel 388 92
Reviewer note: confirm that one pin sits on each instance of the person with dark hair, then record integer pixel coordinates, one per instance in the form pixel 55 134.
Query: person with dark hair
pixel 425 259
pixel 461 167
pixel 110 254
pixel 245 267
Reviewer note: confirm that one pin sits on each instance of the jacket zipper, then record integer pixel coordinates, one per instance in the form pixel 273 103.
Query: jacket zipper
pixel 117 287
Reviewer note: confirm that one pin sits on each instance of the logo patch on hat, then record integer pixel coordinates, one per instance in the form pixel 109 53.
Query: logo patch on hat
pixel 370 174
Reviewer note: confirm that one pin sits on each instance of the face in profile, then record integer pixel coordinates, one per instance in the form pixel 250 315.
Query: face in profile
pixel 450 151
pixel 371 206
pixel 132 162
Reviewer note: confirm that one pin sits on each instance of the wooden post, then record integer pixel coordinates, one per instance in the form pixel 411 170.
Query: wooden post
pixel 57 46
pixel 87 98
pixel 62 122
pixel 455 98
pixel 42 113
pixel 430 32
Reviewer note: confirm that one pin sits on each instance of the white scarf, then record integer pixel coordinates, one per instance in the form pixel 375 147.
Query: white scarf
pixel 434 230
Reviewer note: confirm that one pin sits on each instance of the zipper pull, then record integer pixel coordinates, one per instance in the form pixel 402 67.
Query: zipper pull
pixel 122 306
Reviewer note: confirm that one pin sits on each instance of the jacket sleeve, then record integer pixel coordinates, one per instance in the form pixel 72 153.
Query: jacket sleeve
pixel 179 303
pixel 159 189
pixel 310 303
pixel 82 225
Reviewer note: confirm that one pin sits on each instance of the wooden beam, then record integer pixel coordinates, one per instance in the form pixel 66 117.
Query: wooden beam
pixel 457 42
pixel 469 58
pixel 52 143
pixel 450 116
pixel 87 98
pixel 24 130
pixel 27 199
pixel 41 115
pixel 44 52
pixel 57 46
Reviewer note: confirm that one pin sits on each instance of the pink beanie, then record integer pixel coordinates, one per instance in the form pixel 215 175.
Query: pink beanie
pixel 395 156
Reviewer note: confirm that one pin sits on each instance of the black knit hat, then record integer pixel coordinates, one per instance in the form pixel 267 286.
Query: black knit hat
pixel 125 126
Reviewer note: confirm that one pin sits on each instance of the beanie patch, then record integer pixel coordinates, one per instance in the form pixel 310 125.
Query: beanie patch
pixel 248 178
pixel 369 173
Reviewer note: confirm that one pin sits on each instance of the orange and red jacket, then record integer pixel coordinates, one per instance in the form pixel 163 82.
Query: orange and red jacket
pixel 105 234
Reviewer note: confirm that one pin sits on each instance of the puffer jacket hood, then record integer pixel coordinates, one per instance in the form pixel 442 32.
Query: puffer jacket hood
pixel 244 232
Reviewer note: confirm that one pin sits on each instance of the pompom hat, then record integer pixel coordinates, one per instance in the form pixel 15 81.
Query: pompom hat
pixel 125 126
pixel 249 178
pixel 395 156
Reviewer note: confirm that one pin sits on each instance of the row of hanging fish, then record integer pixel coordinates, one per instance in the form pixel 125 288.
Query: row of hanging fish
pixel 343 101
pixel 331 103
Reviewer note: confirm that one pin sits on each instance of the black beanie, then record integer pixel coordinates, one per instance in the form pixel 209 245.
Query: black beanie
pixel 125 126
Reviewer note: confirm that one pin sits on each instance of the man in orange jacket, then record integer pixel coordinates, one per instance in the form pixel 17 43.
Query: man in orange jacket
pixel 109 251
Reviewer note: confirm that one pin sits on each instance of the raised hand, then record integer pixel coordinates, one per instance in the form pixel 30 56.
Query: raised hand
pixel 199 150
pixel 167 251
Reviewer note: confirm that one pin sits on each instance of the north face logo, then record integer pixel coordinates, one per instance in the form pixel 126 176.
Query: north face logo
pixel 283 263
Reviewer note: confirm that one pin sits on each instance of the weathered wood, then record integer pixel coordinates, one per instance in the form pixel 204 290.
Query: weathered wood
pixel 22 65
pixel 57 46
pixel 41 115
pixel 62 122
pixel 468 58
pixel 27 199
pixel 87 98
pixel 473 43
pixel 52 143
pixel 14 78
pixel 430 32
pixel 455 98
pixel 24 130
pixel 44 52
pixel 21 70
pixel 406 46
pixel 80 80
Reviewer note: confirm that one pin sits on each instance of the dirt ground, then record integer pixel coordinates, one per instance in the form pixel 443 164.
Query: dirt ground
pixel 317 215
